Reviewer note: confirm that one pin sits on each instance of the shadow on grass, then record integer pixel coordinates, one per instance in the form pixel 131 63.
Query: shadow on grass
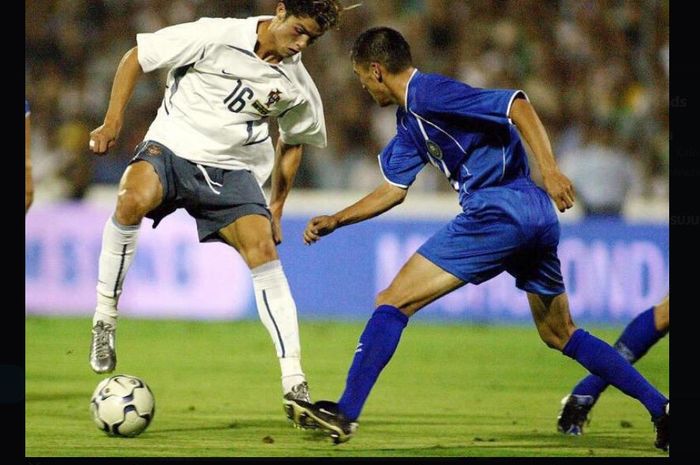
pixel 317 435
pixel 271 425
pixel 532 444
pixel 165 431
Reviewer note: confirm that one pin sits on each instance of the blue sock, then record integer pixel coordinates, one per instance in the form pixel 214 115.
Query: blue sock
pixel 636 339
pixel 377 344
pixel 602 360
pixel 638 336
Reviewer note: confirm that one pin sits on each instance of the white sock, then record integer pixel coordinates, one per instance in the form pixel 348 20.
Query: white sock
pixel 278 313
pixel 118 248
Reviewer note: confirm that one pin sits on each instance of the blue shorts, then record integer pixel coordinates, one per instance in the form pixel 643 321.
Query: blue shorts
pixel 513 229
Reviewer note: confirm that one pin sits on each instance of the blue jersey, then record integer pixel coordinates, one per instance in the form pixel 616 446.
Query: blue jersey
pixel 463 131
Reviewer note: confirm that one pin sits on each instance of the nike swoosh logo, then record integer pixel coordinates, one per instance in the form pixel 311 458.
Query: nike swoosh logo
pixel 323 410
pixel 227 74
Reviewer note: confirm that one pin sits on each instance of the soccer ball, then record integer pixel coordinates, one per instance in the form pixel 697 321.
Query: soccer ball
pixel 122 405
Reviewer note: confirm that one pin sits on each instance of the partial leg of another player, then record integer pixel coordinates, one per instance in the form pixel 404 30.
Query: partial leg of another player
pixel 557 330
pixel 417 284
pixel 140 191
pixel 645 330
pixel 251 236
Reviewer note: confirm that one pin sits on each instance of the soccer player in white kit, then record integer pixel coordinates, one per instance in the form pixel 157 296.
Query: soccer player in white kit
pixel 209 151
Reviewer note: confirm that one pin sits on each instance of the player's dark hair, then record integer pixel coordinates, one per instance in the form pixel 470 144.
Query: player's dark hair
pixel 382 45
pixel 325 12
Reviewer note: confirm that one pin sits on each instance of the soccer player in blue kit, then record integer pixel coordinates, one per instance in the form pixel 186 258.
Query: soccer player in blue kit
pixel 507 222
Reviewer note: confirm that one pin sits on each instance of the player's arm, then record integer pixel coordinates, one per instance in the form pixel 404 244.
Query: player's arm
pixel 287 160
pixel 128 73
pixel 558 186
pixel 28 182
pixel 383 198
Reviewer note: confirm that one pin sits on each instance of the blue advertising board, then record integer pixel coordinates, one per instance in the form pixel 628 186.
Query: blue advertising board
pixel 612 270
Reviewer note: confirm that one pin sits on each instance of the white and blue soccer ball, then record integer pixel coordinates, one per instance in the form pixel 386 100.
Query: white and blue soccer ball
pixel 122 405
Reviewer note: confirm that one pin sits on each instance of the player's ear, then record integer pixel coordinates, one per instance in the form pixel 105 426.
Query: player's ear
pixel 376 71
pixel 281 10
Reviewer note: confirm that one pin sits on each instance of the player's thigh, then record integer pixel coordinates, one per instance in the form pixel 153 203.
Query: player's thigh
pixel 229 206
pixel 418 283
pixel 251 236
pixel 140 188
pixel 248 231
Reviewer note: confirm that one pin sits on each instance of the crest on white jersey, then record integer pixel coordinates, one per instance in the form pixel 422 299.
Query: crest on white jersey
pixel 272 98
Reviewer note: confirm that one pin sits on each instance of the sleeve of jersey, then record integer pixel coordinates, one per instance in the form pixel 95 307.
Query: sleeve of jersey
pixel 175 46
pixel 400 163
pixel 305 123
pixel 460 100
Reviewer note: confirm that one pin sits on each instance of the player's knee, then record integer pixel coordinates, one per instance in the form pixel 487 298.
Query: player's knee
pixel 259 252
pixel 132 206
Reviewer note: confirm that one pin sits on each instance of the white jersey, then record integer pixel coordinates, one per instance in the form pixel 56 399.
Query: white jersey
pixel 219 95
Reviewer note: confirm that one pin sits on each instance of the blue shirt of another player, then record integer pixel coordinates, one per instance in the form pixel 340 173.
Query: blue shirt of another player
pixel 463 131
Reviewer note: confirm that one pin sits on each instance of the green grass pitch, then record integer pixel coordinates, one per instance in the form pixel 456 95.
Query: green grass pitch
pixel 450 390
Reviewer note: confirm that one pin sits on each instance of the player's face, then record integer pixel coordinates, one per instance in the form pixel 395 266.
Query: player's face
pixel 294 34
pixel 371 84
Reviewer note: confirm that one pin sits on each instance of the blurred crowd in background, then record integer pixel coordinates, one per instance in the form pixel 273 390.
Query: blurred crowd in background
pixel 595 70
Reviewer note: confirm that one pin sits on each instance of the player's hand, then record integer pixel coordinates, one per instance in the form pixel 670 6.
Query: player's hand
pixel 276 230
pixel 103 138
pixel 318 227
pixel 560 189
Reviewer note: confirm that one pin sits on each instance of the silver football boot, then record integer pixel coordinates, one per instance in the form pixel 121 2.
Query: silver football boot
pixel 298 418
pixel 103 355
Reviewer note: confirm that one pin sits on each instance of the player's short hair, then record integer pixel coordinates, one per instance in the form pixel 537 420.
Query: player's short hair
pixel 382 45
pixel 325 12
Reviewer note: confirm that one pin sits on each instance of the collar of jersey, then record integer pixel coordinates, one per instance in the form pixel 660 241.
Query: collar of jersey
pixel 252 37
